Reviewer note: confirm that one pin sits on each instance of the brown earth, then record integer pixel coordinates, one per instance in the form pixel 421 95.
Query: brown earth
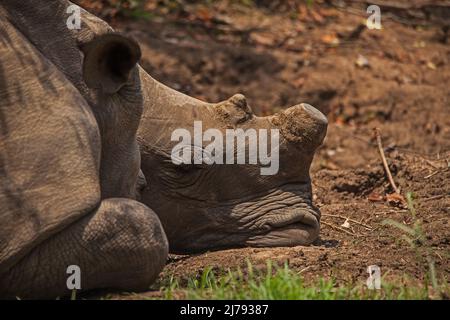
pixel 282 53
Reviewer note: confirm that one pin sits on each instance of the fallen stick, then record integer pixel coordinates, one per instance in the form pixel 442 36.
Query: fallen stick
pixel 307 268
pixel 338 228
pixel 434 197
pixel 383 158
pixel 432 174
pixel 349 219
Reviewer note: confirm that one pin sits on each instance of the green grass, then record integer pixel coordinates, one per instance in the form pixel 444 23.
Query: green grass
pixel 283 283
pixel 415 236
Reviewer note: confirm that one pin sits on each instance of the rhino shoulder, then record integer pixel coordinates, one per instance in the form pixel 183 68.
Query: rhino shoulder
pixel 49 149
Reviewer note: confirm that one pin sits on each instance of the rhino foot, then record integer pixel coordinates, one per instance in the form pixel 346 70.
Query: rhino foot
pixel 122 246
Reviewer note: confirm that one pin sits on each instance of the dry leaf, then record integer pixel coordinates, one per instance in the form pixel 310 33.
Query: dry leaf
pixel 396 199
pixel 362 61
pixel 339 121
pixel 317 16
pixel 262 39
pixel 375 197
pixel 330 39
pixel 346 224
pixel 419 44
pixel 204 14
pixel 299 83
pixel 431 65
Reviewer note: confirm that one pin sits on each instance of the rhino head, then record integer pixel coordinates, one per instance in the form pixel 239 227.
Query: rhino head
pixel 210 206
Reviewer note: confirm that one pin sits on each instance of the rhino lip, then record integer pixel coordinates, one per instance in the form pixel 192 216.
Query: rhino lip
pixel 301 229
pixel 302 218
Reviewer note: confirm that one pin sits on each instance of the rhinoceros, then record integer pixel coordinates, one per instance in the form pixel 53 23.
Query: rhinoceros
pixel 69 187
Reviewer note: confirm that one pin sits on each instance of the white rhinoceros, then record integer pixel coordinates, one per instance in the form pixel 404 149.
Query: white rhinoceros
pixel 72 103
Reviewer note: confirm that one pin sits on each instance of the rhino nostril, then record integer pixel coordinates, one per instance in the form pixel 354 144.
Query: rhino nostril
pixel 315 114
pixel 302 124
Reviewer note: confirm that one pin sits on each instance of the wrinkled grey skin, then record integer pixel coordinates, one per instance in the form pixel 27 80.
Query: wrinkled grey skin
pixel 70 105
pixel 205 207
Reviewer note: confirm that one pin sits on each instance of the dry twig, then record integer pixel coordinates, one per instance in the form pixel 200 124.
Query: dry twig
pixel 432 174
pixel 337 228
pixel 383 158
pixel 349 219
pixel 439 196
pixel 304 269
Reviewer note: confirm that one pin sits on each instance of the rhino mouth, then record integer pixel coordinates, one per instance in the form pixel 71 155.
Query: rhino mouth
pixel 300 227
pixel 301 216
pixel 286 217
pixel 283 216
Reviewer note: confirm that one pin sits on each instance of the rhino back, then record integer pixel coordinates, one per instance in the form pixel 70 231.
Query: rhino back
pixel 117 114
pixel 49 148
pixel 44 24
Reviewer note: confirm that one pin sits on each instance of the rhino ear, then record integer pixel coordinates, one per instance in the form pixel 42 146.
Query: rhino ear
pixel 109 60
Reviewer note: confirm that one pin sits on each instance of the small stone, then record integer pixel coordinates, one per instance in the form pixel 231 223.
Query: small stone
pixel 362 61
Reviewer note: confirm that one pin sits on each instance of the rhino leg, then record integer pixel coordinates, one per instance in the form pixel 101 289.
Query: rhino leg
pixel 121 245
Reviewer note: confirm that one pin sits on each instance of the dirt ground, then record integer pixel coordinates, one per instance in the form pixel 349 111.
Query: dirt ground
pixel 281 53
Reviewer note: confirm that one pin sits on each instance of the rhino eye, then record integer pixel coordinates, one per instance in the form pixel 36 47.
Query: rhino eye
pixel 182 175
pixel 190 168
pixel 185 168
